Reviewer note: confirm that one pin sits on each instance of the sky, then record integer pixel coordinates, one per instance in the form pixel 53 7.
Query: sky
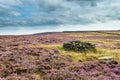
pixel 31 16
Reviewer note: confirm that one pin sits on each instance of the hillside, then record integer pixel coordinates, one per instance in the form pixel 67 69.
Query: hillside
pixel 42 57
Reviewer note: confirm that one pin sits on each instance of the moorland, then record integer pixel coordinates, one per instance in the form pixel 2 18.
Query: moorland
pixel 42 56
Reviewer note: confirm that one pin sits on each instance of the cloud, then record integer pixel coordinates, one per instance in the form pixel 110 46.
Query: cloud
pixel 57 12
pixel 10 2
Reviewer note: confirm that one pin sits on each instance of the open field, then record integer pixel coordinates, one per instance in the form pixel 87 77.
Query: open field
pixel 42 57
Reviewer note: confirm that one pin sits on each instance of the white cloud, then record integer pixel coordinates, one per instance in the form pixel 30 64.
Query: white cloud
pixel 16 13
pixel 58 11
pixel 10 2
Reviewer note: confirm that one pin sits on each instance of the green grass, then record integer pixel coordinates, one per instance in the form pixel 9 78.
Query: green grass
pixel 76 56
pixel 91 56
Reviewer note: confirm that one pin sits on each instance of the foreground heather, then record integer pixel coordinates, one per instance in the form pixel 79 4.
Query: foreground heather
pixel 36 64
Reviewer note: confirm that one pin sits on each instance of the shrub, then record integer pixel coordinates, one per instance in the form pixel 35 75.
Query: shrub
pixel 79 46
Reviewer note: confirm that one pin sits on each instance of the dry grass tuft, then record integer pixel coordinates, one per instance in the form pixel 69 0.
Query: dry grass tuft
pixel 77 56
